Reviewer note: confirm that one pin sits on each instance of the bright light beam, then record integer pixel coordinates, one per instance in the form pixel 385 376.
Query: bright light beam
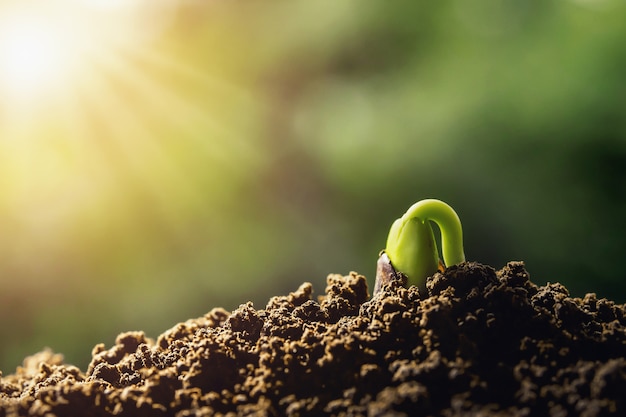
pixel 35 54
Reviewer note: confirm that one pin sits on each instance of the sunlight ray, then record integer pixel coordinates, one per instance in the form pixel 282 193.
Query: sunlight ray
pixel 133 139
pixel 192 114
pixel 130 116
pixel 200 78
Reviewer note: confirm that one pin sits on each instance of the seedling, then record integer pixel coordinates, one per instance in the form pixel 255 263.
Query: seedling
pixel 411 249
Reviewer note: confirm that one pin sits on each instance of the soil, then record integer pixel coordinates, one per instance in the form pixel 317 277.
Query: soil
pixel 480 343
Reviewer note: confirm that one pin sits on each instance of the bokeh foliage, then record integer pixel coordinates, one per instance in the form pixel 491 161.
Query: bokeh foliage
pixel 252 146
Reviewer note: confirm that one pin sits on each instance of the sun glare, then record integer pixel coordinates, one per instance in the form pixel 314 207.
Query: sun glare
pixel 99 81
pixel 47 46
pixel 35 54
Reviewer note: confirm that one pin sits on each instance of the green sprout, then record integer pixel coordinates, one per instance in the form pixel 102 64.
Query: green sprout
pixel 411 248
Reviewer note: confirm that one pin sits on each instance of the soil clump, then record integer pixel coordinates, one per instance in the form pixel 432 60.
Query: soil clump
pixel 481 342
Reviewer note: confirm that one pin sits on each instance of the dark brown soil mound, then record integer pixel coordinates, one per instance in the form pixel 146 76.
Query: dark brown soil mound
pixel 482 343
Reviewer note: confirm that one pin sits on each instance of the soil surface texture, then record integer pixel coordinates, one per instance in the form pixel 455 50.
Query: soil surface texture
pixel 480 343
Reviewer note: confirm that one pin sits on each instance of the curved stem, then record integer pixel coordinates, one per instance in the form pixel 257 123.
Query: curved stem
pixel 449 223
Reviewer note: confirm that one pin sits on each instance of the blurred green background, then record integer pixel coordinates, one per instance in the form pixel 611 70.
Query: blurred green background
pixel 175 156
